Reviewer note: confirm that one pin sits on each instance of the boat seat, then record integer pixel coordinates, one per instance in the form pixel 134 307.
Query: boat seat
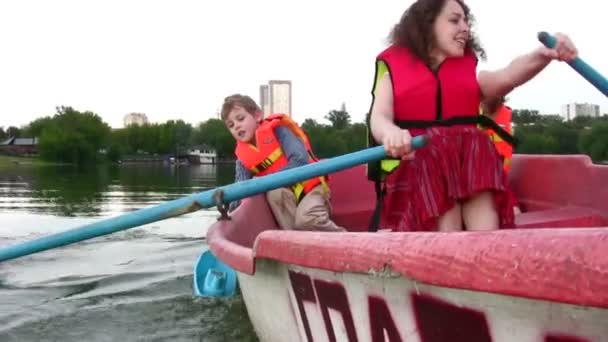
pixel 566 217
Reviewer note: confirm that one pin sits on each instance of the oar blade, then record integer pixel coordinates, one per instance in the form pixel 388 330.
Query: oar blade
pixel 213 278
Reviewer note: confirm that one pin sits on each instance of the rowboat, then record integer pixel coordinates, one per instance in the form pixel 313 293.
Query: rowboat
pixel 545 280
pixel 542 281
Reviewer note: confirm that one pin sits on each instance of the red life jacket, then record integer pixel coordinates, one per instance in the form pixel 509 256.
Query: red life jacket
pixel 424 98
pixel 421 96
pixel 266 156
pixel 505 150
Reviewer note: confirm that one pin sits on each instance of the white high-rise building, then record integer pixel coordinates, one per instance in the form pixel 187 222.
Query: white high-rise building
pixel 571 110
pixel 264 99
pixel 275 97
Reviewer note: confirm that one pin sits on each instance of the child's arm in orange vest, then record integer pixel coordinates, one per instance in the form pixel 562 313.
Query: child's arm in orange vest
pixel 292 147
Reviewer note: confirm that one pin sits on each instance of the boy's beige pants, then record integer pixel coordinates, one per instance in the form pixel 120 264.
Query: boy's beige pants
pixel 312 213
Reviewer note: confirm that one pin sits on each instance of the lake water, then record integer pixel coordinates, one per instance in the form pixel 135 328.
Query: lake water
pixel 134 285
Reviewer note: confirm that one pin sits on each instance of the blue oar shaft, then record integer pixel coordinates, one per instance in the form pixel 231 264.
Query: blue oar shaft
pixel 198 201
pixel 584 69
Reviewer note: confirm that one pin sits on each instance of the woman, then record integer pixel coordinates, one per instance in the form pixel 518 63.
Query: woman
pixel 428 75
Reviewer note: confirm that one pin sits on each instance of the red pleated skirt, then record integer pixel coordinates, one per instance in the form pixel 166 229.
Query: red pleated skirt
pixel 457 163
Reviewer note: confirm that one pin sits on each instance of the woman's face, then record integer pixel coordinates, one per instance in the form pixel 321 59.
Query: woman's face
pixel 451 32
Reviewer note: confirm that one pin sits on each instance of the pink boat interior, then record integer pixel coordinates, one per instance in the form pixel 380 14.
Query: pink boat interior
pixel 564 202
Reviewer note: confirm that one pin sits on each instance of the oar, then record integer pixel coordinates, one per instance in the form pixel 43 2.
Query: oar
pixel 213 278
pixel 206 199
pixel 579 65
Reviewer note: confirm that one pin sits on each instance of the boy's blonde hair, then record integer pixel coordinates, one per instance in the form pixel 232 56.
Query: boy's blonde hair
pixel 239 100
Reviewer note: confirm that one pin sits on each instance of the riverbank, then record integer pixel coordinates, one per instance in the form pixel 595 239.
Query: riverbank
pixel 11 161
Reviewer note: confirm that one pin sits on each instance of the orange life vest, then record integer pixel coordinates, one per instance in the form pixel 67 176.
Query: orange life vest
pixel 503 119
pixel 266 156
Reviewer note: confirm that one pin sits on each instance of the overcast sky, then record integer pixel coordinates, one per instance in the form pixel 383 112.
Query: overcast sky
pixel 178 59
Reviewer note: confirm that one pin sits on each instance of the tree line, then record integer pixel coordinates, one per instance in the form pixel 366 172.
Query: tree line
pixel 550 134
pixel 83 137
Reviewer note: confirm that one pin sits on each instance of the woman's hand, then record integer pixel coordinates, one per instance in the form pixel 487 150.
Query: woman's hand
pixel 564 50
pixel 398 143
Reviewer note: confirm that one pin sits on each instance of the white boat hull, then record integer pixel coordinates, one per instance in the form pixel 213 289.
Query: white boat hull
pixel 293 303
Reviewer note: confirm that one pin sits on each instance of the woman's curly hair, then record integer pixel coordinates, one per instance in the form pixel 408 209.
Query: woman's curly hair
pixel 415 29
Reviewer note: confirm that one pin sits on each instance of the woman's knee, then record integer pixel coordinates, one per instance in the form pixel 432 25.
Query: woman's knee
pixel 451 220
pixel 480 213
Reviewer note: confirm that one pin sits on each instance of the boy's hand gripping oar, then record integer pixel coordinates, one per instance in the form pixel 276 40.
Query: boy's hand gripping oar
pixel 206 199
pixel 579 65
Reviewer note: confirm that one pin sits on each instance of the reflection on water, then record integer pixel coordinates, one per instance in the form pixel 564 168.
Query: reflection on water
pixel 103 190
pixel 131 285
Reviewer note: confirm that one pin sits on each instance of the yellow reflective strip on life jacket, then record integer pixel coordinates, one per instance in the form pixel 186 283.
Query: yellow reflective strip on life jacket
pixel 495 138
pixel 480 113
pixel 389 165
pixel 298 191
pixel 266 163
pixel 324 185
pixel 382 70
pixel 275 155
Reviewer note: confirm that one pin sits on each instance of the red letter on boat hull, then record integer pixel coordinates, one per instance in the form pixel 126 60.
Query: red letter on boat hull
pixel 381 320
pixel 303 291
pixel 333 295
pixel 330 295
pixel 439 321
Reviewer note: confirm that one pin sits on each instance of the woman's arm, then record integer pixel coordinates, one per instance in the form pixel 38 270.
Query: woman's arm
pixel 523 68
pixel 396 141
pixel 381 119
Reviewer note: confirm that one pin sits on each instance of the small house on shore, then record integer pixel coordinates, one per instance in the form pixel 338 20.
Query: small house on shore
pixel 19 146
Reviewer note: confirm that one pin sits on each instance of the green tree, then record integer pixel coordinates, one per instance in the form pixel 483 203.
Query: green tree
pixel 594 142
pixel 118 145
pixel 134 135
pixel 525 116
pixel 183 133
pixel 328 141
pixel 536 143
pixel 13 131
pixel 214 133
pixel 339 119
pixel 565 136
pixel 73 136
pixel 581 122
pixel 317 136
pixel 355 137
pixel 35 128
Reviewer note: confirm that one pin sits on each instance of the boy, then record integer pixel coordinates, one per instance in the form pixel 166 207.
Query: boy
pixel 271 145
pixel 502 115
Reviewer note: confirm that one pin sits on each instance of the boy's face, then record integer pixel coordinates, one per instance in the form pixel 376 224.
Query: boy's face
pixel 242 124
